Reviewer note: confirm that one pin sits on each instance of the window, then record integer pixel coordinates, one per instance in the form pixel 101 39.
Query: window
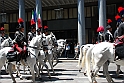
pixel 49 14
pixel 70 13
pixel 111 9
pixel 14 18
pixel 74 12
pixel 29 16
pixel 88 10
pixel 11 17
pixel 17 16
pixel 85 11
pixel 95 11
pixel 53 14
pixel 44 15
pixel 65 13
pixel 59 13
pixel 26 16
pixel 7 18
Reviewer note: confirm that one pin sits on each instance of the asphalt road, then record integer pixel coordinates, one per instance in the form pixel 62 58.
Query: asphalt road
pixel 66 72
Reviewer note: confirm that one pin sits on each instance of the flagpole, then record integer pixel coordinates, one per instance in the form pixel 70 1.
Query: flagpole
pixel 38 7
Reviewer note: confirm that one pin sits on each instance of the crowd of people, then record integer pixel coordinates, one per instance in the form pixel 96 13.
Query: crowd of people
pixel 118 36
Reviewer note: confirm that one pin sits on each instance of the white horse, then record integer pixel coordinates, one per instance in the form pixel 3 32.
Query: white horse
pixel 34 48
pixel 50 42
pixel 82 56
pixel 7 42
pixel 101 54
pixel 61 46
pixel 58 50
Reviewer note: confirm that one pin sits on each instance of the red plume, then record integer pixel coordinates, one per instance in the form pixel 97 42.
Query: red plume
pixel 120 9
pixel 99 29
pixel 2 29
pixel 39 23
pixel 32 21
pixel 109 21
pixel 20 20
pixel 45 27
pixel 117 17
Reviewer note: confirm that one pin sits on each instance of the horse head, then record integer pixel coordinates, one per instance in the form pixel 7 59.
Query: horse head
pixel 52 39
pixel 7 42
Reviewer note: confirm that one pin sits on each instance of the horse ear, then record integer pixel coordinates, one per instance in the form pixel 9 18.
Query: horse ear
pixel 51 33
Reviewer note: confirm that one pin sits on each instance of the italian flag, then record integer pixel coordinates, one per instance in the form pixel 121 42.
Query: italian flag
pixel 32 18
pixel 39 21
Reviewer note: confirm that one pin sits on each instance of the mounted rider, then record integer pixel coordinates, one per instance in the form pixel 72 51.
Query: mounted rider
pixel 2 34
pixel 119 53
pixel 20 40
pixel 121 26
pixel 118 19
pixel 32 33
pixel 101 35
pixel 108 35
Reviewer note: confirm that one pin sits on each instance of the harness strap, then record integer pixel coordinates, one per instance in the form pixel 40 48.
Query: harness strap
pixel 35 48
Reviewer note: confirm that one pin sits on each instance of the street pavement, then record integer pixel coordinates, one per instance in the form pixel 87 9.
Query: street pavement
pixel 66 72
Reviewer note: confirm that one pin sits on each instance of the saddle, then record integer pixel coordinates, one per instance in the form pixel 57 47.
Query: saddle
pixel 13 55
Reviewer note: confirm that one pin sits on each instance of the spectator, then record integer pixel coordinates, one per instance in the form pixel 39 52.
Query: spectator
pixel 77 50
pixel 67 49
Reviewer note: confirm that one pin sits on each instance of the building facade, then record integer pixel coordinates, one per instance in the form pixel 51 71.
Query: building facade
pixel 61 16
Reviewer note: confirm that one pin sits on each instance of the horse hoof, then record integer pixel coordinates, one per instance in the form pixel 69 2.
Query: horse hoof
pixel 14 82
pixel 97 75
pixel 85 74
pixel 120 72
pixel 21 78
pixel 55 74
pixel 49 77
pixel 17 75
pixel 118 76
pixel 79 70
pixel 95 82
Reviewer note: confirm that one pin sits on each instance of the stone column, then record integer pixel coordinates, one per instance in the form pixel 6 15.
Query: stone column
pixel 102 12
pixel 81 23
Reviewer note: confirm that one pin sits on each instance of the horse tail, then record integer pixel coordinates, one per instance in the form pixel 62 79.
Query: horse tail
pixel 84 56
pixel 80 56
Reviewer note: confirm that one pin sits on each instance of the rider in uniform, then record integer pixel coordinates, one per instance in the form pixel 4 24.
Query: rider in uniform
pixel 45 31
pixel 108 34
pixel 20 40
pixel 118 19
pixel 119 52
pixel 2 33
pixel 101 35
pixel 33 31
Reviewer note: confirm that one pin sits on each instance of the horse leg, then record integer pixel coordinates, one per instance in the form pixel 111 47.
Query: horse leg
pixel 50 62
pixel 31 63
pixel 36 70
pixel 118 70
pixel 18 72
pixel 57 60
pixel 94 73
pixel 44 64
pixel 108 77
pixel 10 72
